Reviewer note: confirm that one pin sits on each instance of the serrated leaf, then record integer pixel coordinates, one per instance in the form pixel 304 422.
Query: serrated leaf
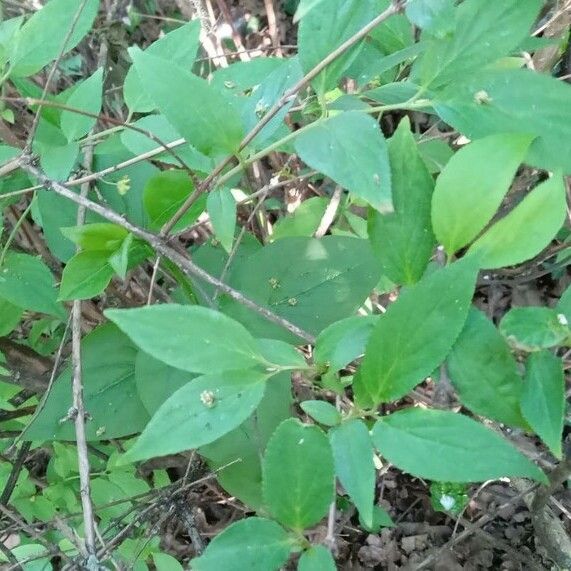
pixel 255 544
pixel 321 411
pixel 202 115
pixel 534 328
pixel 353 454
pixel 222 209
pixel 199 413
pixel 321 31
pixel 344 341
pixel 298 475
pixel 205 342
pixel 415 334
pixel 165 193
pixel 514 101
pixel 448 447
pixel 86 97
pixel 472 186
pixel 310 282
pixel 484 372
pixel 26 282
pixel 543 398
pixel 350 149
pixel 526 230
pixel 403 240
pixel 40 39
pixel 316 558
pixel 483 32
pixel 86 275
pixel 178 46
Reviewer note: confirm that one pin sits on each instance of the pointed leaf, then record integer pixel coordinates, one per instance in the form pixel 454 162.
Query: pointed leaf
pixel 350 149
pixel 254 543
pixel 199 413
pixel 526 230
pixel 321 411
pixel 191 338
pixel 298 474
pixel 543 399
pixel 353 454
pixel 415 334
pixel 86 275
pixel 403 240
pixel 472 186
pixel 86 97
pixel 222 208
pixel 484 372
pixel 201 114
pixel 448 447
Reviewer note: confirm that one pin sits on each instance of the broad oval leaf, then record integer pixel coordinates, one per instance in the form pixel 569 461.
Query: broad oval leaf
pixel 350 149
pixel 190 338
pixel 485 373
pixel 40 39
pixel 254 543
pixel 25 281
pixel 543 400
pixel 472 186
pixel 110 395
pixel 316 558
pixel 298 475
pixel 312 283
pixel 86 275
pixel 86 97
pixel 321 411
pixel 403 240
pixel 205 117
pixel 534 328
pixel 526 230
pixel 448 447
pixel 354 466
pixel 199 413
pixel 415 334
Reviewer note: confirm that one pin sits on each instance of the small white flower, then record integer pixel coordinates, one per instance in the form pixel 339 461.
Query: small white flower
pixel 447 502
pixel 562 319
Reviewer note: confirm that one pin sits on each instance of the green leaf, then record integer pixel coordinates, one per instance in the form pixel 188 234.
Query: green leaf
pixel 11 315
pixel 415 334
pixel 403 240
pixel 304 220
pixel 564 305
pixel 381 518
pixel 310 282
pixel 280 353
pixel 237 456
pixel 190 338
pixel 110 394
pixel 472 186
pixel 484 32
pixel 199 413
pixel 526 230
pixel 202 115
pixel 436 16
pixel 321 411
pixel 40 39
pixel 86 275
pixel 178 46
pixel 534 328
pixel 448 447
pixel 485 373
pixel 350 149
pixel 165 193
pixel 222 209
pixel 100 236
pixel 543 400
pixel 86 97
pixel 353 454
pixel 344 341
pixel 156 382
pixel 298 475
pixel 304 7
pixel 321 31
pixel 253 544
pixel 165 562
pixel 57 161
pixel 25 281
pixel 316 558
pixel 514 101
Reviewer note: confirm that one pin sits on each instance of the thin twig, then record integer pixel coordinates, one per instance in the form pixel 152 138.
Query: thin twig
pixel 330 212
